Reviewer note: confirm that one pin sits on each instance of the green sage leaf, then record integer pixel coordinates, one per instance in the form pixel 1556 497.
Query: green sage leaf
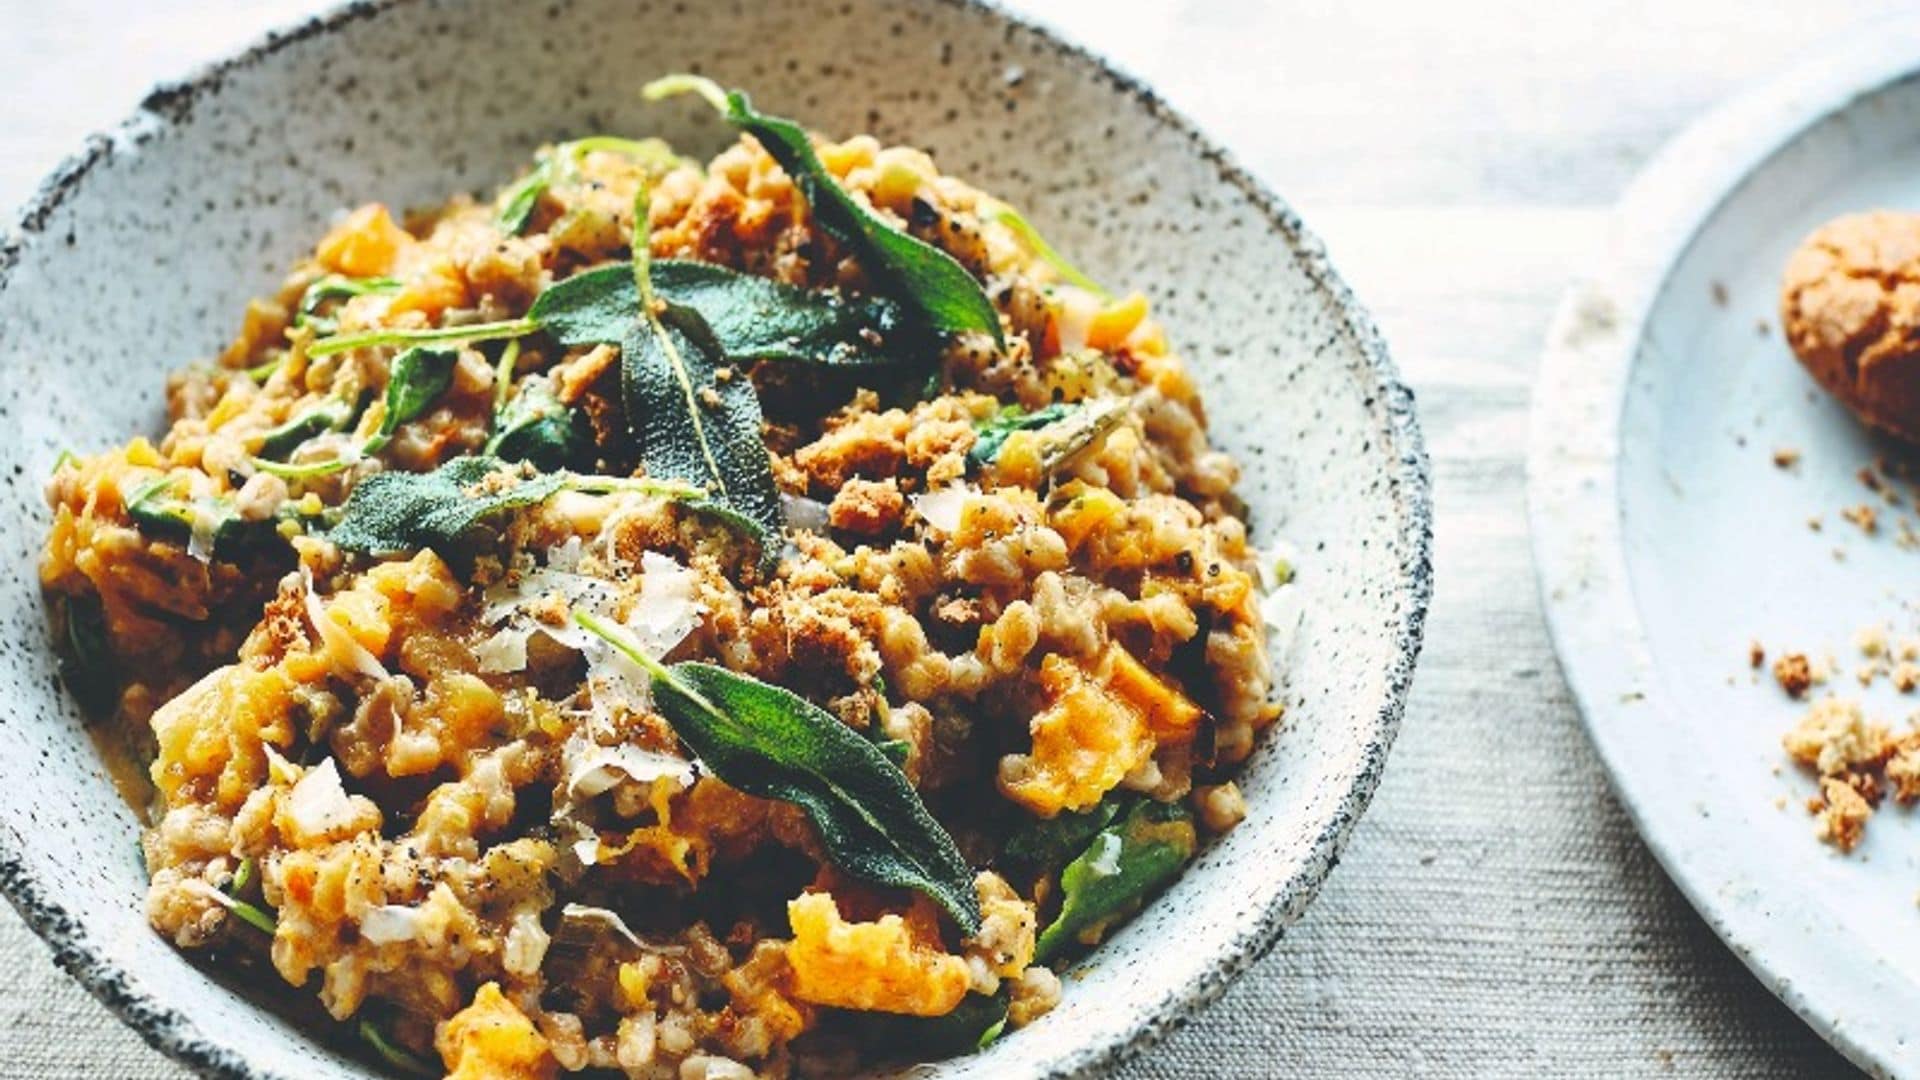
pixel 448 509
pixel 772 743
pixel 753 318
pixel 517 203
pixel 210 525
pixel 693 423
pixel 1126 863
pixel 947 297
pixel 1030 236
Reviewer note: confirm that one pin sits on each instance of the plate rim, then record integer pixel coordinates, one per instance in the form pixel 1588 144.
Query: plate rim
pixel 1390 405
pixel 1573 505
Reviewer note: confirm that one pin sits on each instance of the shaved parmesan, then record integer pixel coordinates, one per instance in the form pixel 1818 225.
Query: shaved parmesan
pixel 804 514
pixel 387 924
pixel 593 769
pixel 941 509
pixel 337 638
pixel 318 805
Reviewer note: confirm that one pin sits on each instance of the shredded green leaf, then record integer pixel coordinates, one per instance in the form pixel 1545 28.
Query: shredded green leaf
pixel 87 664
pixel 772 743
pixel 415 380
pixel 393 1055
pixel 1064 430
pixel 338 287
pixel 1030 236
pixel 1126 863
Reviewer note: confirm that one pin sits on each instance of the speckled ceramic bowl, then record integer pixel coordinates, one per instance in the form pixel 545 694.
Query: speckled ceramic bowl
pixel 140 252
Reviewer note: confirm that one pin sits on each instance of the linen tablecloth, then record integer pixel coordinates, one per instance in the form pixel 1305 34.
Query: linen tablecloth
pixel 1496 914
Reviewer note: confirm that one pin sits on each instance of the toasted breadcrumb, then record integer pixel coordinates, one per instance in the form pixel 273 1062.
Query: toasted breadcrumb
pixel 1786 457
pixel 1864 516
pixel 1834 736
pixel 1756 654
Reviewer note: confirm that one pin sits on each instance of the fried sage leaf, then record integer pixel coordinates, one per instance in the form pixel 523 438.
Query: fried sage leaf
pixel 1126 863
pixel 462 502
pixel 753 318
pixel 1062 430
pixel 417 377
pixel 448 509
pixel 694 416
pixel 209 524
pixel 947 297
pixel 769 742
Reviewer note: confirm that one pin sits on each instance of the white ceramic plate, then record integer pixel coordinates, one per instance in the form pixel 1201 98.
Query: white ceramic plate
pixel 1667 540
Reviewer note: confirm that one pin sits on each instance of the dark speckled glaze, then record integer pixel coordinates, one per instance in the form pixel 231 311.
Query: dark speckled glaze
pixel 139 252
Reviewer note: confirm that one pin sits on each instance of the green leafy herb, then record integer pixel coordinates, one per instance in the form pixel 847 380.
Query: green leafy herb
pixel 86 659
pixel 973 1025
pixel 394 513
pixel 769 742
pixel 66 458
pixel 458 504
pixel 210 524
pixel 242 877
pixel 1030 236
pixel 417 377
pixel 1126 863
pixel 334 414
pixel 338 287
pixel 537 427
pixel 945 294
pixel 694 416
pixel 392 1054
pixel 756 318
pixel 517 203
pixel 1045 843
pixel 439 335
pixel 1064 430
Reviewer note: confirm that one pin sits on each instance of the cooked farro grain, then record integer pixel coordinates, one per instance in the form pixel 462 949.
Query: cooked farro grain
pixel 443 787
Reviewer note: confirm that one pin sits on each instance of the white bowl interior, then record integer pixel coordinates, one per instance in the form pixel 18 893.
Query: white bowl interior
pixel 143 256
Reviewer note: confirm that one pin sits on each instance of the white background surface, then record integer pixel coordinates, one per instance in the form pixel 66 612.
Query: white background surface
pixel 1495 914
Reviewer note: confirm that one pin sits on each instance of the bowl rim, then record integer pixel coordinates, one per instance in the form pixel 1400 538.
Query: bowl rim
pixel 1388 399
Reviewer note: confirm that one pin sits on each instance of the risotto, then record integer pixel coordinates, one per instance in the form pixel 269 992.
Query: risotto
pixel 761 618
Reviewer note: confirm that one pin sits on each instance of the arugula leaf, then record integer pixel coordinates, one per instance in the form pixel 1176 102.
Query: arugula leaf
pixel 1126 863
pixel 973 1025
pixel 770 742
pixel 86 660
pixel 536 426
pixel 1064 430
pixel 334 414
pixel 393 513
pixel 1045 843
pixel 417 377
pixel 338 287
pixel 945 294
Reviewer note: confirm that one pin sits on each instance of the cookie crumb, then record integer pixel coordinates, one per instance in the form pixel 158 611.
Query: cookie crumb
pixel 1793 673
pixel 1863 515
